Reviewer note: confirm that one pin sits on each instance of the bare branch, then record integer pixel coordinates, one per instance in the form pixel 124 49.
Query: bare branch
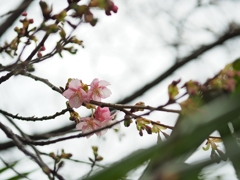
pixel 121 106
pixel 45 81
pixel 33 118
pixel 15 14
pixel 18 143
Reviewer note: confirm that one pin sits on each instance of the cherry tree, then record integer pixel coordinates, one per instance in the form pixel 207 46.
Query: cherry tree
pixel 206 111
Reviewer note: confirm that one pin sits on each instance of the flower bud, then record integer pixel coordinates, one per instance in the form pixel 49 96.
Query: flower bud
pixel 39 54
pixel 99 158
pixel 24 13
pixel 115 9
pixel 61 164
pixel 148 129
pixel 42 48
pixel 31 21
pixel 16 29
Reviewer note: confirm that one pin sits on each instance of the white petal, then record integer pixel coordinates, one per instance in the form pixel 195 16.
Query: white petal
pixel 74 84
pixel 75 101
pixel 103 83
pixel 105 93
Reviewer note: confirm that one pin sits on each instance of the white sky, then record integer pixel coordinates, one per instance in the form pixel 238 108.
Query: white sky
pixel 128 49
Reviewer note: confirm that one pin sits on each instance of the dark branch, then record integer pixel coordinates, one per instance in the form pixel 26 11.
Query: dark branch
pixel 34 118
pixel 15 14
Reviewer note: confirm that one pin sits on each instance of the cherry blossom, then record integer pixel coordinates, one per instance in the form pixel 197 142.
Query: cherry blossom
pixel 102 118
pixel 103 114
pixel 88 124
pixel 75 93
pixel 99 90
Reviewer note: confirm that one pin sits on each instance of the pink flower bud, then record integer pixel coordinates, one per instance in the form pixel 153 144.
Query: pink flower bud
pixel 42 48
pixel 39 54
pixel 24 13
pixel 114 8
pixel 30 21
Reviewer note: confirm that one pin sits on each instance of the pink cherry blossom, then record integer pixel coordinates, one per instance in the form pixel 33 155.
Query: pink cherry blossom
pixel 103 114
pixel 99 90
pixel 75 93
pixel 88 124
pixel 102 118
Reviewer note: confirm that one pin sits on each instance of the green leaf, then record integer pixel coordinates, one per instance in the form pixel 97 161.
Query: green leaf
pixel 20 176
pixel 6 168
pixel 236 64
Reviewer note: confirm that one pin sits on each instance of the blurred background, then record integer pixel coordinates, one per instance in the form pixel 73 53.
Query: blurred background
pixel 130 49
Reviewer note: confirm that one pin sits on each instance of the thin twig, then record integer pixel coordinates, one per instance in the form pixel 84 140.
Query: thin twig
pixel 33 118
pixel 10 167
pixel 18 143
pixel 121 106
pixel 45 81
pixel 15 14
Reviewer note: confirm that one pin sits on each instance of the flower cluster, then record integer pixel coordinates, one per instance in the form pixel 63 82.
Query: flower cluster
pixel 78 93
pixel 101 118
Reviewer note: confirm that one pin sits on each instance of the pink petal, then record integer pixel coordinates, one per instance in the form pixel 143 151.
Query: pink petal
pixel 80 125
pixel 94 83
pixel 95 97
pixel 68 93
pixel 75 84
pixel 75 101
pixel 84 95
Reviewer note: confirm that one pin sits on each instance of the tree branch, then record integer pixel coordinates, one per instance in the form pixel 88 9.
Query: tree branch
pixel 21 147
pixel 15 14
pixel 34 118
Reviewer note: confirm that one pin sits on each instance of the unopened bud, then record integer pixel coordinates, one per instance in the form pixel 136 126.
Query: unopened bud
pixel 99 158
pixel 30 21
pixel 16 29
pixel 39 54
pixel 148 129
pixel 24 13
pixel 42 48
pixel 61 164
pixel 115 9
